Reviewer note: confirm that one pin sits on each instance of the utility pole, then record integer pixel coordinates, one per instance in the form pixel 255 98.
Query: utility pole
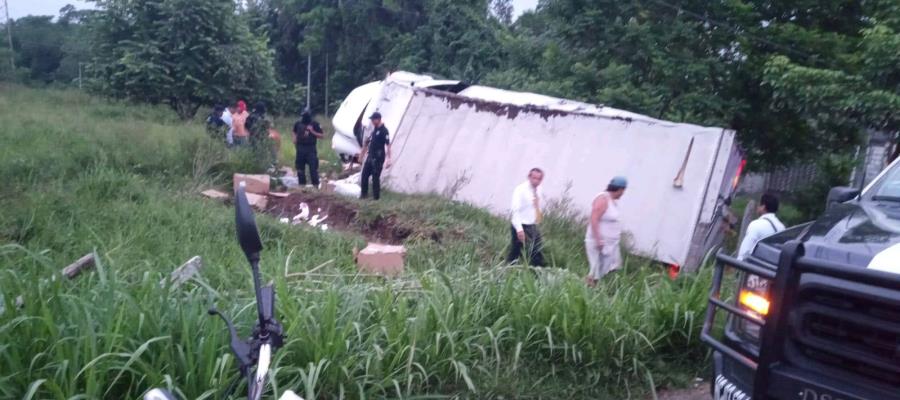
pixel 12 58
pixel 79 74
pixel 308 79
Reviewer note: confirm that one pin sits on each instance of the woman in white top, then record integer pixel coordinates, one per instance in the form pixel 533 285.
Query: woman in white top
pixel 601 242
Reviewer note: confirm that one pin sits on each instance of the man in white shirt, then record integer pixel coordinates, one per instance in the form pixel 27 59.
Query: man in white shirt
pixel 766 225
pixel 226 116
pixel 527 212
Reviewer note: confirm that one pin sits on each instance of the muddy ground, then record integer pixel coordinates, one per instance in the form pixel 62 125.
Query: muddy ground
pixel 344 216
pixel 699 392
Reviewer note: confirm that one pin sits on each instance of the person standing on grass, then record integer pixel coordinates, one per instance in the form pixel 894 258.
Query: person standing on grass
pixel 216 128
pixel 527 213
pixel 239 121
pixel 307 133
pixel 259 126
pixel 604 231
pixel 226 117
pixel 376 154
pixel 766 225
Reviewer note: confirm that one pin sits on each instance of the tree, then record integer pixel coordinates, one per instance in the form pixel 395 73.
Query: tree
pixel 863 91
pixel 38 45
pixel 457 39
pixel 183 53
pixel 503 11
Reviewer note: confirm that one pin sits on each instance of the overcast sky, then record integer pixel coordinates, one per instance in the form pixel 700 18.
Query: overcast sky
pixel 21 8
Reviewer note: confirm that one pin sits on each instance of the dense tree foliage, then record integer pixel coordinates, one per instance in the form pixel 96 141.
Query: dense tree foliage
pixel 796 78
pixel 184 53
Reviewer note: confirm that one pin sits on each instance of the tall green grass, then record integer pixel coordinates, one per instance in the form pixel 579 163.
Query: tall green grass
pixel 81 174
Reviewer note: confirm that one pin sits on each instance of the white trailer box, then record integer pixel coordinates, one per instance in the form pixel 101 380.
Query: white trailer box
pixel 479 144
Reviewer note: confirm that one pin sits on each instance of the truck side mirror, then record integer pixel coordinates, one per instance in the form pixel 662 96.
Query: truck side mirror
pixel 840 194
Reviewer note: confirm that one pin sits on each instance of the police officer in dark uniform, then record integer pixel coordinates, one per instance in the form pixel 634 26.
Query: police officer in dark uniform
pixel 376 155
pixel 306 133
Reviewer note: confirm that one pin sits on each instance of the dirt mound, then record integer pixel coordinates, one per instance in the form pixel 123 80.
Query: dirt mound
pixel 343 215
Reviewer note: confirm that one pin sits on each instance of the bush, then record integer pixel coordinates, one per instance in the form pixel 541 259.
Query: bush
pixel 834 170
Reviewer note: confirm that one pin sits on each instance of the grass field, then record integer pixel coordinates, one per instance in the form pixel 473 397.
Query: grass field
pixel 81 174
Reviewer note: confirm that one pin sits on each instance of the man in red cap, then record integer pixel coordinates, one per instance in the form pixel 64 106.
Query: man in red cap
pixel 239 124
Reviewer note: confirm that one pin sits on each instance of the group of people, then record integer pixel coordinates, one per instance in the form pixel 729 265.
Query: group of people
pixel 604 229
pixel 238 128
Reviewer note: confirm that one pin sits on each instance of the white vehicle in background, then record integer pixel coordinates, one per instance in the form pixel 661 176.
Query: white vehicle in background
pixel 475 143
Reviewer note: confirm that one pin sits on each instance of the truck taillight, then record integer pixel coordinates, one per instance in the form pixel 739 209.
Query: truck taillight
pixel 753 296
pixel 737 176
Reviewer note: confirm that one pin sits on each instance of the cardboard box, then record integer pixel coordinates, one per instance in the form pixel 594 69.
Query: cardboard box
pixel 381 259
pixel 258 184
pixel 257 201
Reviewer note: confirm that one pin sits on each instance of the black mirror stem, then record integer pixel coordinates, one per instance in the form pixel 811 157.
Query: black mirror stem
pixel 254 264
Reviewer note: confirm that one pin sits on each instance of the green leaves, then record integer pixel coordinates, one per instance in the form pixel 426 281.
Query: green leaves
pixel 181 53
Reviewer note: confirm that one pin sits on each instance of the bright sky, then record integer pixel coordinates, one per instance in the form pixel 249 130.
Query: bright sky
pixel 520 6
pixel 21 8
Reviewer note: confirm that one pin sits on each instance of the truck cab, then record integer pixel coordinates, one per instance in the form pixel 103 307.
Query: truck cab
pixel 816 311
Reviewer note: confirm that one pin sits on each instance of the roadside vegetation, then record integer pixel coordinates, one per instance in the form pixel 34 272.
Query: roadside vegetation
pixel 84 175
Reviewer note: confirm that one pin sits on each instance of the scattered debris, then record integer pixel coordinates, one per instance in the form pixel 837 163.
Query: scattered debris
pixel 215 194
pixel 86 262
pixel 381 259
pixel 284 221
pixel 20 302
pixel 326 186
pixel 304 214
pixel 256 201
pixel 290 182
pixel 343 216
pixel 279 194
pixel 185 272
pixel 288 171
pixel 348 186
pixel 347 189
pixel 258 184
pixel 316 220
pixel 324 227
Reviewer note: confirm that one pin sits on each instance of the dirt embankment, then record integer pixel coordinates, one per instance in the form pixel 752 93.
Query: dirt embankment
pixel 344 215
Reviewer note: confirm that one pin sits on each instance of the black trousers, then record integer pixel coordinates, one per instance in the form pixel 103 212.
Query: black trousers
pixel 307 157
pixel 372 168
pixel 533 242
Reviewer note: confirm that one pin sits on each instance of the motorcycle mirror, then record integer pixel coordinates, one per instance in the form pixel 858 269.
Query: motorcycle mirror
pixel 245 224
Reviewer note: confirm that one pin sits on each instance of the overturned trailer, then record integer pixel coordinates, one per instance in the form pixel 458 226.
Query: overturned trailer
pixel 476 143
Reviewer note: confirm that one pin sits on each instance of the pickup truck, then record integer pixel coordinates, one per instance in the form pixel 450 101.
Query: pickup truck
pixel 816 311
